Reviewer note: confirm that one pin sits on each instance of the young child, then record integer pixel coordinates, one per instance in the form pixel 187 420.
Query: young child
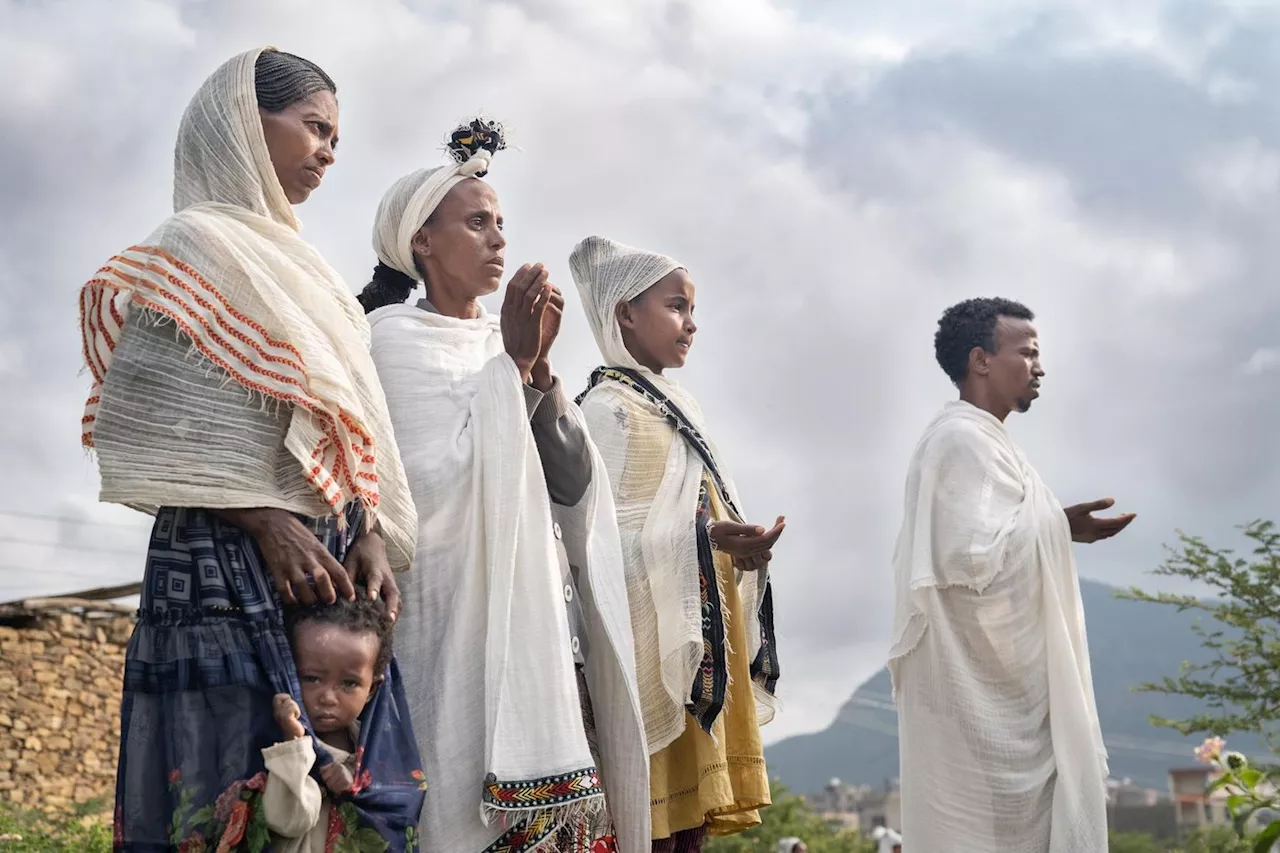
pixel 341 651
pixel 698 588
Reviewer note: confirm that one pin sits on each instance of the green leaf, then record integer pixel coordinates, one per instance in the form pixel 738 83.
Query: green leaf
pixel 369 841
pixel 1267 838
pixel 1250 777
pixel 1240 820
pixel 258 835
pixel 202 817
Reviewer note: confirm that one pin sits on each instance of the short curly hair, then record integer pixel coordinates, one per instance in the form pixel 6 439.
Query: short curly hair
pixel 361 616
pixel 970 324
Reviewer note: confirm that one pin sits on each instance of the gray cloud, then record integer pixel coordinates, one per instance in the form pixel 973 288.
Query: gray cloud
pixel 833 175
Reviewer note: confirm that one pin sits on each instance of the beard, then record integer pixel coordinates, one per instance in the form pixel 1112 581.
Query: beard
pixel 1023 404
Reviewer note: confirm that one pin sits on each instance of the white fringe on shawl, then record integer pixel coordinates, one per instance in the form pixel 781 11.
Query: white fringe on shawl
pixel 999 738
pixel 482 640
pixel 659 537
pixel 262 307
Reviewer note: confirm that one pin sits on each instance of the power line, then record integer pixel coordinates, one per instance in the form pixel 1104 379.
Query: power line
pixel 93 549
pixel 63 519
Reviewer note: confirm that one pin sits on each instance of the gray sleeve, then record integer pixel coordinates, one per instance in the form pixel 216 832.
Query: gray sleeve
pixel 562 444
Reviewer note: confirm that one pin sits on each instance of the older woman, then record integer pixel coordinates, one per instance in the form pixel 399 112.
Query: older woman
pixel 235 399
pixel 515 636
pixel 701 605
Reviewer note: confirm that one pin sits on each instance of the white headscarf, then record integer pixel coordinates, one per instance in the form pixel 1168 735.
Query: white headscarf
pixel 221 156
pixel 659 537
pixel 412 199
pixel 607 274
pixel 261 305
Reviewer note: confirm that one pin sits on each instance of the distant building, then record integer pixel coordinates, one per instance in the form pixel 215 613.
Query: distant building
pixel 838 798
pixel 1125 794
pixel 883 808
pixel 1132 808
pixel 859 808
pixel 1194 808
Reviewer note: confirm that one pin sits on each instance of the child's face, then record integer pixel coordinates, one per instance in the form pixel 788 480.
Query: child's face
pixel 658 327
pixel 336 668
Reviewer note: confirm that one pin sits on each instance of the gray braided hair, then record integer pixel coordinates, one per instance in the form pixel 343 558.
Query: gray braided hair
pixel 281 79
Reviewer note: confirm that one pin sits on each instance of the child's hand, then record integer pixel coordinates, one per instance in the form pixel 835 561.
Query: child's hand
pixel 288 716
pixel 749 545
pixel 337 778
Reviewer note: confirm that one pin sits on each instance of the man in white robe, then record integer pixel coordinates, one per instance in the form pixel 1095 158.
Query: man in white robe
pixel 999 741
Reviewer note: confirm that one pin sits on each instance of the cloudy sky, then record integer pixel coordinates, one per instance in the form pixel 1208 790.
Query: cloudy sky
pixel 834 175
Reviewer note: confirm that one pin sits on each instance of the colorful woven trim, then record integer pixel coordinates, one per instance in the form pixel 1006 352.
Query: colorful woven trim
pixel 711 681
pixel 765 669
pixel 544 793
pixel 525 837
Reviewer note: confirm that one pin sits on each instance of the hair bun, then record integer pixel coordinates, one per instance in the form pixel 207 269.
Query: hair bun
pixel 388 286
pixel 472 137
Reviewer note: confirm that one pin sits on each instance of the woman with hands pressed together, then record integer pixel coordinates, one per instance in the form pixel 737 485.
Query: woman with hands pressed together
pixel 515 637
pixel 234 399
pixel 698 574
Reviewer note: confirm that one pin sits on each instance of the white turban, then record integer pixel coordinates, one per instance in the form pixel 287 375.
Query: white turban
pixel 608 273
pixel 413 198
pixel 406 206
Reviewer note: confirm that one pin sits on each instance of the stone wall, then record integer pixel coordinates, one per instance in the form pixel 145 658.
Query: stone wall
pixel 60 669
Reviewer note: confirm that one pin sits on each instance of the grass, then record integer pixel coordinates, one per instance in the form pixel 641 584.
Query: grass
pixel 27 831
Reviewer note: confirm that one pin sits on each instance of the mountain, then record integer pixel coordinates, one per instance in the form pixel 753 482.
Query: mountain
pixel 1129 642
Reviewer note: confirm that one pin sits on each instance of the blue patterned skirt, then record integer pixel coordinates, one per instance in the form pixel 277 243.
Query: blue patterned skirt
pixel 207 656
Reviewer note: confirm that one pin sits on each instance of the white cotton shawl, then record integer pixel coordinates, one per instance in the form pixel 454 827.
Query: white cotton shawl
pixel 482 638
pixel 999 740
pixel 659 537
pixel 262 309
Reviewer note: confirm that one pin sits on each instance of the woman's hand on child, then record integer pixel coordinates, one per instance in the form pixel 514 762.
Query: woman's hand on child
pixel 288 716
pixel 367 563
pixel 292 552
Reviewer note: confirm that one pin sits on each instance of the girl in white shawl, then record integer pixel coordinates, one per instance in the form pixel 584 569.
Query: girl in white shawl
pixel 235 400
pixel 518 654
pixel 701 607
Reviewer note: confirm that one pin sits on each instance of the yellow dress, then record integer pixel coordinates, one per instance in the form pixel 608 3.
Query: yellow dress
pixel 722 782
pixel 697 780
